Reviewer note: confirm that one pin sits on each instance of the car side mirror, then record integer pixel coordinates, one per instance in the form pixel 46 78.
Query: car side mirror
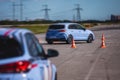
pixel 84 29
pixel 52 53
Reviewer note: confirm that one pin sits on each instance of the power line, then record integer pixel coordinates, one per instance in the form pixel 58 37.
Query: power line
pixel 78 15
pixel 63 14
pixel 21 10
pixel 46 12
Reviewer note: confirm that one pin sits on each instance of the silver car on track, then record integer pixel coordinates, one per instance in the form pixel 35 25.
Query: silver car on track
pixel 23 58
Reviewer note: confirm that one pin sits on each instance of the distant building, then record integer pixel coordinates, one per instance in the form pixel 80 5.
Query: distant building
pixel 115 17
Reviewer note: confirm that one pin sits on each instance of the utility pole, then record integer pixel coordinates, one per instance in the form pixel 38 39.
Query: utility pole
pixel 78 15
pixel 21 9
pixel 46 12
pixel 13 11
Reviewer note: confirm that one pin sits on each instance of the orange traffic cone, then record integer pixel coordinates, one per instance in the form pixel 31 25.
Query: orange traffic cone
pixel 103 37
pixel 103 42
pixel 73 44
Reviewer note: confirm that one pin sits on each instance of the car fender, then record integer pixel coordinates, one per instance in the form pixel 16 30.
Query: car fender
pixel 66 35
pixel 90 32
pixel 54 71
pixel 51 71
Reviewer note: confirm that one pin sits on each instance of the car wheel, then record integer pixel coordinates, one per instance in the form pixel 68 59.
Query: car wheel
pixel 69 39
pixel 50 42
pixel 90 38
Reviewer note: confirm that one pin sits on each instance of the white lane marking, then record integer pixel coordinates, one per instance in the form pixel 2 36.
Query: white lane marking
pixel 92 68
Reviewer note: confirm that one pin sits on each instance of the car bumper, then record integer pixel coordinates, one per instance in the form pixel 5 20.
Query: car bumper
pixel 56 39
pixel 61 37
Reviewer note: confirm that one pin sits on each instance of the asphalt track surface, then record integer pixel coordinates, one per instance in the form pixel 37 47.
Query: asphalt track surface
pixel 88 61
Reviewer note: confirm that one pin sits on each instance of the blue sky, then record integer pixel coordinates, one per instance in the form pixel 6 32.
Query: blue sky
pixel 60 9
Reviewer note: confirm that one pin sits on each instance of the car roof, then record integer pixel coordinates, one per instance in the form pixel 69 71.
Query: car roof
pixel 13 31
pixel 63 23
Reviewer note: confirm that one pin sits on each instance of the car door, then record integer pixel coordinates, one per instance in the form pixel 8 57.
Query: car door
pixel 37 53
pixel 81 32
pixel 73 31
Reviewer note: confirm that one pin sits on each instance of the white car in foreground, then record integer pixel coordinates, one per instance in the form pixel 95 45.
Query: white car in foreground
pixel 23 58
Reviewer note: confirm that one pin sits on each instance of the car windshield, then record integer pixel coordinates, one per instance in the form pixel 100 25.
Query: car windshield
pixel 56 27
pixel 9 47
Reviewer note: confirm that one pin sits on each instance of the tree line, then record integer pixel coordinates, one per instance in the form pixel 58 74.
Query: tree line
pixel 9 22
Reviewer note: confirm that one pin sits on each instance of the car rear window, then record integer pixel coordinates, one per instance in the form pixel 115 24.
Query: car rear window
pixel 56 27
pixel 9 47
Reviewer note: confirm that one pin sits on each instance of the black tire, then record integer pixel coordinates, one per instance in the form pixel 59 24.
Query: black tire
pixel 49 41
pixel 90 38
pixel 69 39
pixel 56 76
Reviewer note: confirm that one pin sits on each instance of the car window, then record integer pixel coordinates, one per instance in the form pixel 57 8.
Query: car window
pixel 56 27
pixel 9 47
pixel 72 26
pixel 35 49
pixel 39 47
pixel 79 27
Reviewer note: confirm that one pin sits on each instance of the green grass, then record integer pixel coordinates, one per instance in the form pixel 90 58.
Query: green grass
pixel 42 28
pixel 35 28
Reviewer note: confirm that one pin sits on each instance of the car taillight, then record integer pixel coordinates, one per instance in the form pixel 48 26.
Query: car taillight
pixel 17 67
pixel 62 30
